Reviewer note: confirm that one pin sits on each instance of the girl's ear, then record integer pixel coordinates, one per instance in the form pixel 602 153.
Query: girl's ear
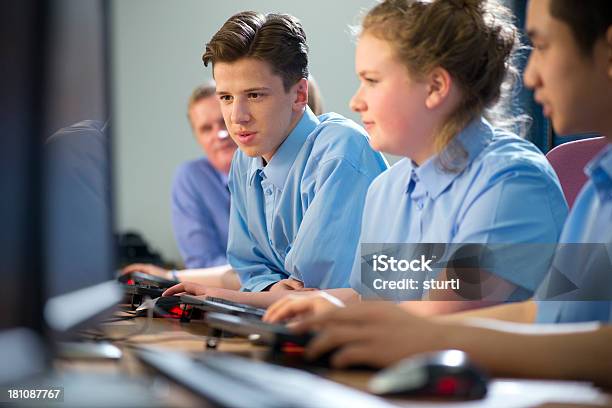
pixel 439 84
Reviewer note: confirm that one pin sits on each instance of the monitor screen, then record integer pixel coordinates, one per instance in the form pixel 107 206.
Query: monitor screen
pixel 21 122
pixel 22 30
pixel 79 250
pixel 55 162
pixel 79 247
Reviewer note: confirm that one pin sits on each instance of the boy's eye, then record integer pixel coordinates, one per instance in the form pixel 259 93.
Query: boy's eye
pixel 225 98
pixel 371 81
pixel 539 46
pixel 254 95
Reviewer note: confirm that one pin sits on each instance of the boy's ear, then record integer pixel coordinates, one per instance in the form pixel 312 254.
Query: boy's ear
pixel 301 95
pixel 439 84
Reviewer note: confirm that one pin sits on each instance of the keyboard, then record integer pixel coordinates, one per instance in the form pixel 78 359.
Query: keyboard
pixel 218 305
pixel 247 308
pixel 146 279
pixel 143 290
pixel 272 334
pixel 237 382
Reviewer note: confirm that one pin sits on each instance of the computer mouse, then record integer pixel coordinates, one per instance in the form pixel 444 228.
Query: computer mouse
pixel 448 374
pixel 290 350
pixel 164 306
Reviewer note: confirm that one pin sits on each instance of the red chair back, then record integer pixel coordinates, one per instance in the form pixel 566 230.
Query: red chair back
pixel 569 160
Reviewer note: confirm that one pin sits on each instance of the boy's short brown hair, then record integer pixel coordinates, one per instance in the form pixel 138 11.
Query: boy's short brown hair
pixel 278 39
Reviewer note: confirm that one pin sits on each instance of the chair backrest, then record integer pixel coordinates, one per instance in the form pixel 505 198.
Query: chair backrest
pixel 569 160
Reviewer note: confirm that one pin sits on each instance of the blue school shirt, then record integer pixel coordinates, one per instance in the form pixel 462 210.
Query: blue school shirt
pixel 503 190
pixel 200 213
pixel 590 221
pixel 300 215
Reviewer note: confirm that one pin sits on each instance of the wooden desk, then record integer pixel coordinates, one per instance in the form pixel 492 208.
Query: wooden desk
pixel 165 334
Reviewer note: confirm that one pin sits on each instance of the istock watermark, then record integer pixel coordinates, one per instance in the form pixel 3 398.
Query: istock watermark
pixel 484 272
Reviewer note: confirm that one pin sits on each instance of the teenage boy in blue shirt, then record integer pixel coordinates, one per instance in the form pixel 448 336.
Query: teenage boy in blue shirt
pixel 298 182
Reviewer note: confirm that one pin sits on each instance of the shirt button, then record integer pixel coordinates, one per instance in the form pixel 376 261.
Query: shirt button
pixel 420 205
pixel 268 191
pixel 270 242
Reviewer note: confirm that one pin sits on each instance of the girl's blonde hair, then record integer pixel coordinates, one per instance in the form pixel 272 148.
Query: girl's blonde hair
pixel 474 40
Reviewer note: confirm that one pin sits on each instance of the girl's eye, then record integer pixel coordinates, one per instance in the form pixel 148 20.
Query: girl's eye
pixel 371 81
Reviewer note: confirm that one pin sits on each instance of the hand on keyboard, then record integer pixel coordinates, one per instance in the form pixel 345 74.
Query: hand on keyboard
pixel 192 288
pixel 301 305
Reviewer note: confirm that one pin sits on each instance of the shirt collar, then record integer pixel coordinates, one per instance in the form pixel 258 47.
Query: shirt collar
pixel 224 177
pixel 457 155
pixel 255 167
pixel 277 169
pixel 600 172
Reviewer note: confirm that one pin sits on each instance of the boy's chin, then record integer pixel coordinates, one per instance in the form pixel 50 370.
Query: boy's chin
pixel 251 152
pixel 562 128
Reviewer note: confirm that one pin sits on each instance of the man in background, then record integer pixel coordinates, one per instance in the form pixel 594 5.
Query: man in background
pixel 200 197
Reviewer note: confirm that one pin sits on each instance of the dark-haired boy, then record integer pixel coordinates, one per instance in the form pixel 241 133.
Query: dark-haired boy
pixel 298 182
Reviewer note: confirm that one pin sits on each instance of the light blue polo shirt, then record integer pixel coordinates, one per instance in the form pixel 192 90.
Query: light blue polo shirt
pixel 300 215
pixel 502 190
pixel 590 221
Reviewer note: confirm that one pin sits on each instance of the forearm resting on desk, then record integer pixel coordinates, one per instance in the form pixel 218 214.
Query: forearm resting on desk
pixel 519 312
pixel 451 301
pixel 257 299
pixel 265 299
pixel 346 295
pixel 222 276
pixel 578 355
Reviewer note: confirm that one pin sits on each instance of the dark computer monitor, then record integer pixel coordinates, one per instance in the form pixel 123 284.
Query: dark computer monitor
pixel 22 28
pixel 57 258
pixel 79 249
pixel 78 246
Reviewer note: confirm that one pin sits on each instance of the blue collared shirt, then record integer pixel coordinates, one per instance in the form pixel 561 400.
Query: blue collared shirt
pixel 200 213
pixel 590 221
pixel 502 190
pixel 300 215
